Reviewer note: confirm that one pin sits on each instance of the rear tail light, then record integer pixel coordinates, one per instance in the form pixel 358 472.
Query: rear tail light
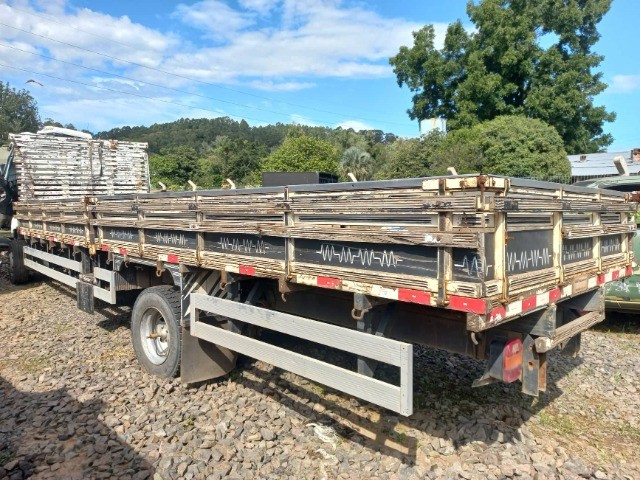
pixel 512 361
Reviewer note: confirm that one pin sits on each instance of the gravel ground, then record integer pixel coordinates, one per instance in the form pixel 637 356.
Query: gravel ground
pixel 75 404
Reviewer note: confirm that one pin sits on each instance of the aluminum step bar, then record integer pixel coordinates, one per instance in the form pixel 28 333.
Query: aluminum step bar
pixel 31 257
pixel 400 354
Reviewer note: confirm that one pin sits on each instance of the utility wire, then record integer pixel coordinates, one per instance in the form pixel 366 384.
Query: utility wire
pixel 153 84
pixel 177 75
pixel 132 94
pixel 53 19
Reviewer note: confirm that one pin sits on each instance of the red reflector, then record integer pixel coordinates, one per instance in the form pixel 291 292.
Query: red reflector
pixel 554 295
pixel 529 303
pixel 615 274
pixel 123 251
pixel 72 242
pixel 246 270
pixel 497 314
pixel 51 238
pixel 466 304
pixel 600 279
pixel 414 296
pixel 328 282
pixel 105 248
pixel 172 258
pixel 512 361
pixel 629 271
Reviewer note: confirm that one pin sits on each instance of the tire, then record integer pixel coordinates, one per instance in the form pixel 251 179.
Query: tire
pixel 157 312
pixel 18 273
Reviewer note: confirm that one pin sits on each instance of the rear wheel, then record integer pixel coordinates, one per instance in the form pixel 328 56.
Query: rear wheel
pixel 156 330
pixel 18 273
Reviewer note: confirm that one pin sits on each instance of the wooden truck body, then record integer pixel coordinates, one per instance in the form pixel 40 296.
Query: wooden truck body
pixel 498 268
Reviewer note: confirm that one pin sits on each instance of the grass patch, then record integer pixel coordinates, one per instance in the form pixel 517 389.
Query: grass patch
pixel 63 328
pixel 562 424
pixel 189 421
pixel 628 431
pixel 318 390
pixel 5 457
pixel 116 353
pixel 619 324
pixel 399 437
pixel 34 364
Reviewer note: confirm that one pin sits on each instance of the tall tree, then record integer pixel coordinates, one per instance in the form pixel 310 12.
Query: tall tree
pixel 358 162
pixel 508 145
pixel 302 154
pixel 18 111
pixel 531 58
pixel 174 167
pixel 229 158
pixel 411 157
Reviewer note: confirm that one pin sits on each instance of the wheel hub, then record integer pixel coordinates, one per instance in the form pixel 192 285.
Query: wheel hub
pixel 154 336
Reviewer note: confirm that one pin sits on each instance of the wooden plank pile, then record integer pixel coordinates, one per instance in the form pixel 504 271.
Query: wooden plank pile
pixel 52 167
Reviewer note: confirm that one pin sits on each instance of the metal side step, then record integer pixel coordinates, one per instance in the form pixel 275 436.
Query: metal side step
pixel 393 352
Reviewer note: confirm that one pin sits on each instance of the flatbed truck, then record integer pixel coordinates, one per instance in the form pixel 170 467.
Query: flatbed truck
pixel 496 268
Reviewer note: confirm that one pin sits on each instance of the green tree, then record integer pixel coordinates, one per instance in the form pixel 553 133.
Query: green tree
pixel 229 158
pixel 358 162
pixel 531 58
pixel 302 154
pixel 18 111
pixel 173 166
pixel 508 145
pixel 410 158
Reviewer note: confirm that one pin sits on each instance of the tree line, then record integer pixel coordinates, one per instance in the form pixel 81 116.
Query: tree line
pixel 209 151
pixel 517 90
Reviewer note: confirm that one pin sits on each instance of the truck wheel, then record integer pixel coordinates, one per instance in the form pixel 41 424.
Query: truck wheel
pixel 18 273
pixel 156 330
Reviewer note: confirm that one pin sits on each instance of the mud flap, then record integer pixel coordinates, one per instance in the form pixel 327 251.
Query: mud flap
pixel 202 360
pixel 85 297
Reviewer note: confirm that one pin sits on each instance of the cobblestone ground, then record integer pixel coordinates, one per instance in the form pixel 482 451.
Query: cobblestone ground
pixel 75 404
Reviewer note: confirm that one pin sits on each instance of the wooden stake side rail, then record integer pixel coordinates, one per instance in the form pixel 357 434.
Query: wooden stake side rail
pixel 491 246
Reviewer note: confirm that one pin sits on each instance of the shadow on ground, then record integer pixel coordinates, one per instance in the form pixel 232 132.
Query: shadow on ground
pixel 50 434
pixel 448 412
pixel 617 322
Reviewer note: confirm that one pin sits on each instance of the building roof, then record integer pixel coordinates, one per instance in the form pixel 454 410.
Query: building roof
pixel 601 164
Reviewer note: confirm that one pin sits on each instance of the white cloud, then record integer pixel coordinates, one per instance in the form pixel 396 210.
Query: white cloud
pixel 297 46
pixel 355 125
pixel 263 7
pixel 302 120
pixel 117 83
pixel 96 114
pixel 215 17
pixel 272 86
pixel 310 39
pixel 624 83
pixel 94 31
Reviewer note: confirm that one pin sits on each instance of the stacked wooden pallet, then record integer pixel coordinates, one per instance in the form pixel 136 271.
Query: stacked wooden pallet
pixel 51 167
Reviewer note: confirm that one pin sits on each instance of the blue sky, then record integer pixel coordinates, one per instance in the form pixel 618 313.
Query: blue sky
pixel 113 63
